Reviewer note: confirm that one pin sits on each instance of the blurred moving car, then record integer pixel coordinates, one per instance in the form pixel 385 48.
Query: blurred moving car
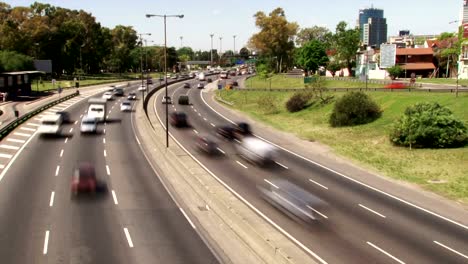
pixel 65 116
pixel 84 179
pixel 235 83
pixel 118 91
pixel 50 125
pixel 183 99
pixel 108 96
pixel 292 200
pixel 142 88
pixel 206 144
pixel 237 131
pixel 132 96
pixel 200 85
pixel 179 119
pixel 396 85
pixel 209 80
pixel 166 100
pixel 126 106
pixel 88 125
pixel 256 151
pixel 186 85
pixel 149 81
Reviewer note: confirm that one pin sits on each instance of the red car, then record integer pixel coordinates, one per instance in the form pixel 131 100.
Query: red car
pixel 396 85
pixel 84 179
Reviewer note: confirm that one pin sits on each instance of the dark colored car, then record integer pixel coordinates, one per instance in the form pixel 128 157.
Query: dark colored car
pixel 132 96
pixel 231 132
pixel 233 73
pixel 183 99
pixel 65 116
pixel 149 81
pixel 186 85
pixel 179 119
pixel 206 144
pixel 84 179
pixel 234 83
pixel 209 80
pixel 226 132
pixel 118 91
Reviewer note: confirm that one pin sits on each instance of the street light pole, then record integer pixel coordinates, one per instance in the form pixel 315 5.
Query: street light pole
pixel 181 38
pixel 220 49
pixel 234 51
pixel 211 51
pixel 141 55
pixel 165 69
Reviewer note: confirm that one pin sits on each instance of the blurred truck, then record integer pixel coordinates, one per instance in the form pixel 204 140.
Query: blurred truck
pixel 97 109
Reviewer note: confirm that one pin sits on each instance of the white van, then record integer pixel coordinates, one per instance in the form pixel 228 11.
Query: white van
pixel 51 125
pixel 97 109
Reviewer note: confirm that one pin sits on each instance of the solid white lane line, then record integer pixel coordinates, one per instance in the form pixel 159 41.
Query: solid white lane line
pixel 61 153
pixel 105 153
pixel 281 165
pixel 129 239
pixel 27 129
pixel 213 125
pixel 33 124
pixel 71 129
pixel 324 216
pixel 104 140
pixel 385 252
pixel 205 119
pixel 108 170
pixel 46 243
pixel 381 215
pixel 453 250
pixel 2 166
pixel 66 140
pixel 22 134
pixel 199 114
pixel 245 167
pixel 76 122
pixel 323 186
pixel 9 147
pixel 137 140
pixel 15 140
pixel 52 195
pixel 269 182
pixel 114 197
pixel 196 132
pixel 57 170
pixel 104 130
pixel 38 119
pixel 220 150
pixel 7 156
pixel 188 219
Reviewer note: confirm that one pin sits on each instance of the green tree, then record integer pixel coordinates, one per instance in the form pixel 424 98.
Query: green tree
pixel 311 56
pixel 334 66
pixel 321 34
pixel 13 61
pixel 244 53
pixel 346 42
pixel 394 71
pixel 187 52
pixel 275 37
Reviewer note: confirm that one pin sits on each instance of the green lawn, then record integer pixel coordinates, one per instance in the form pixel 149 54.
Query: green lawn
pixel 285 82
pixel 369 145
pixel 443 81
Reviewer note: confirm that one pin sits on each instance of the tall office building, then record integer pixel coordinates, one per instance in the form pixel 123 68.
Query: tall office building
pixel 373 26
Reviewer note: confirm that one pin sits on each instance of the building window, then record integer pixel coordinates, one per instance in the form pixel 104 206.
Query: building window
pixel 10 81
pixel 19 80
pixel 2 82
pixel 26 78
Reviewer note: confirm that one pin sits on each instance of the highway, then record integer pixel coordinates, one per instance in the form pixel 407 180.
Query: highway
pixel 361 224
pixel 134 221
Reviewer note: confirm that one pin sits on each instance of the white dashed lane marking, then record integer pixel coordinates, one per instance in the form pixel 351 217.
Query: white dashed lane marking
pixel 6 156
pixel 15 140
pixel 22 134
pixel 27 129
pixel 33 124
pixel 3 146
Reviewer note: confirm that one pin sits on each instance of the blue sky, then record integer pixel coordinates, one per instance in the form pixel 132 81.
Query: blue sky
pixel 227 18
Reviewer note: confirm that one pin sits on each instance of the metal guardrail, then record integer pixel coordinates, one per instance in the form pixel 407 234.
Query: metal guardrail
pixel 21 119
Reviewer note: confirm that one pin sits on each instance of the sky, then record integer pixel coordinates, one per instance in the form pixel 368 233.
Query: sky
pixel 227 18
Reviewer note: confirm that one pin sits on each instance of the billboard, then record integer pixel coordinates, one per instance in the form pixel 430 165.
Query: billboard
pixel 387 55
pixel 43 65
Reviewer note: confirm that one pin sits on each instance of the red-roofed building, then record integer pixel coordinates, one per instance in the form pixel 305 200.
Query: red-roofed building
pixel 417 60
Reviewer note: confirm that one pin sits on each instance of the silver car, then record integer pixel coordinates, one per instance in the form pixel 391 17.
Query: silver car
pixel 88 125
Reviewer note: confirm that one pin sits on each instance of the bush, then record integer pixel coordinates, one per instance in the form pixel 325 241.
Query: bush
pixel 268 104
pixel 429 125
pixel 298 101
pixel 394 71
pixel 354 108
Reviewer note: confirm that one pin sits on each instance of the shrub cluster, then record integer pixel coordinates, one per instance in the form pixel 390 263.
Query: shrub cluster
pixel 268 104
pixel 429 125
pixel 354 108
pixel 298 101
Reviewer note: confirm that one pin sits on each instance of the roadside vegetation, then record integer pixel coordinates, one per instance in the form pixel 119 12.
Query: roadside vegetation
pixel 440 170
pixel 282 81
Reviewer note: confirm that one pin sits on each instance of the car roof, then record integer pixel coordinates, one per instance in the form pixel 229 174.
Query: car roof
pixel 53 118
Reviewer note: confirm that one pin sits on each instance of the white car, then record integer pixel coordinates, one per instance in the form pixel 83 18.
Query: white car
pixel 50 125
pixel 88 125
pixel 132 96
pixel 142 88
pixel 200 85
pixel 108 96
pixel 166 100
pixel 126 106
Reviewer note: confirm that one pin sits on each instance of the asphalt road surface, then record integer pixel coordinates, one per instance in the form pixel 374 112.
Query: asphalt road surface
pixel 359 225
pixel 133 221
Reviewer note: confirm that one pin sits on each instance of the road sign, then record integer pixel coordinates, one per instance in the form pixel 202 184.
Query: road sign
pixel 387 55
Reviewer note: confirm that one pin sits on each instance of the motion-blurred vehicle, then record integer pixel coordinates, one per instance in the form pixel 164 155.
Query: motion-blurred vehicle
pixel 108 96
pixel 175 76
pixel 200 85
pixel 142 88
pixel 119 91
pixel 183 99
pixel 132 96
pixel 166 100
pixel 126 106
pixel 186 85
pixel 237 131
pixel 89 124
pixel 235 83
pixel 84 180
pixel 232 73
pixel 97 108
pixel 209 80
pixel 65 116
pixel 201 76
pixel 256 151
pixel 396 85
pixel 292 200
pixel 149 81
pixel 179 119
pixel 206 144
pixel 50 125
pixel 224 75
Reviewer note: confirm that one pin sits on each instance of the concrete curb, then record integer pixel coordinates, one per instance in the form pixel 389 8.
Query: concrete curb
pixel 232 229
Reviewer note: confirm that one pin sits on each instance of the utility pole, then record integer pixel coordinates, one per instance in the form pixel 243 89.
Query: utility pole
pixel 234 51
pixel 211 51
pixel 181 37
pixel 220 49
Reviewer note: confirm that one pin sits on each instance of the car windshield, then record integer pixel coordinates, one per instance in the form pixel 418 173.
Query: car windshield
pixel 49 123
pixel 97 109
pixel 88 122
pixel 126 103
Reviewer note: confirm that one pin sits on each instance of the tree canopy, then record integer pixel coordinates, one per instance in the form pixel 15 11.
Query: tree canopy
pixel 312 55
